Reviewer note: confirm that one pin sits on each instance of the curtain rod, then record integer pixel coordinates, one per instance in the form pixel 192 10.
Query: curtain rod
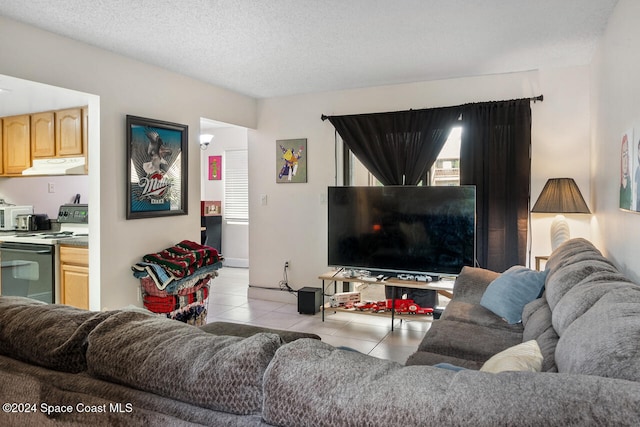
pixel 534 99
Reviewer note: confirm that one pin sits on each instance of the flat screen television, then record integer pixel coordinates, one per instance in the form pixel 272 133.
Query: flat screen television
pixel 402 229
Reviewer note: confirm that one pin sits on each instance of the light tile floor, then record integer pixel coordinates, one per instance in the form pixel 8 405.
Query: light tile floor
pixel 369 334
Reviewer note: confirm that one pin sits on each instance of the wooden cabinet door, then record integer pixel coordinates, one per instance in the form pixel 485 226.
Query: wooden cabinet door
pixel 16 144
pixel 69 132
pixel 74 276
pixel 43 137
pixel 74 285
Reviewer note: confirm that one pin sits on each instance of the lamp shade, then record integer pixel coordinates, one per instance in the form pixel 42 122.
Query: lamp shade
pixel 205 138
pixel 561 195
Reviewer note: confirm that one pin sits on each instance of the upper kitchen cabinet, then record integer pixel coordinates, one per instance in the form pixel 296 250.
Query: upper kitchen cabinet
pixel 59 133
pixel 43 136
pixel 69 141
pixel 16 144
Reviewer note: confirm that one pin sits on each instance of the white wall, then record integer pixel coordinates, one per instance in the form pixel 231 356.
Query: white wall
pixel 235 237
pixel 124 86
pixel 35 191
pixel 293 225
pixel 616 108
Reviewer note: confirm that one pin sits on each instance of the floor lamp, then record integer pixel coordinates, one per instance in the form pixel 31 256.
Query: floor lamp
pixel 560 196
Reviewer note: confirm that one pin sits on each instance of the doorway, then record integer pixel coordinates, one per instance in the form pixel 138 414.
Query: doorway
pixel 47 193
pixel 224 191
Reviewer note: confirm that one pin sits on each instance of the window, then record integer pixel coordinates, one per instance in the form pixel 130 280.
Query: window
pixel 236 186
pixel 445 171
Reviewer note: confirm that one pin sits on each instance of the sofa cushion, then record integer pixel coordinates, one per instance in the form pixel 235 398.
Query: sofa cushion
pixel 548 341
pixel 583 295
pixel 181 361
pixel 471 283
pixel 605 340
pixel 569 252
pixel 242 330
pixel 310 383
pixel 530 309
pixel 536 319
pixel 428 358
pixel 522 357
pixel 507 295
pixel 475 313
pixel 49 335
pixel 467 340
pixel 563 279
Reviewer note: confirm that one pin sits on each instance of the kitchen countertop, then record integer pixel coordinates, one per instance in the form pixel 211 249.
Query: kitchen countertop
pixel 76 241
pixel 82 241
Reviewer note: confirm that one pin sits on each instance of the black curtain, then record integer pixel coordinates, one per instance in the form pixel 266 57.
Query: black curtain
pixel 495 157
pixel 399 147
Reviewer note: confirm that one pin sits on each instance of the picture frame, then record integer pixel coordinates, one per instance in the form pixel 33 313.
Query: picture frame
pixel 627 190
pixel 157 159
pixel 215 168
pixel 291 160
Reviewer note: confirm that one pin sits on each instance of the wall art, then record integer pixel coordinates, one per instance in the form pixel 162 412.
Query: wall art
pixel 626 168
pixel 291 160
pixel 215 168
pixel 156 168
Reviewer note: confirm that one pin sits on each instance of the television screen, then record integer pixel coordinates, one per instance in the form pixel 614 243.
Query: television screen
pixel 402 229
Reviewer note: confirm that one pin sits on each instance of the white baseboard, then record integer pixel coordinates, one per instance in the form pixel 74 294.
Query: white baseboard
pixel 274 294
pixel 236 262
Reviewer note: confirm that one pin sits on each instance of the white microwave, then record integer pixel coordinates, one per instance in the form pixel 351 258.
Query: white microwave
pixel 8 214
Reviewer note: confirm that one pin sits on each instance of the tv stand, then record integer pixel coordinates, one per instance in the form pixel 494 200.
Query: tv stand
pixel 443 287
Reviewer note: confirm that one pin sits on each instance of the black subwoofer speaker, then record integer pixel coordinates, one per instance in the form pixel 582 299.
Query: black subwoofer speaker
pixel 309 300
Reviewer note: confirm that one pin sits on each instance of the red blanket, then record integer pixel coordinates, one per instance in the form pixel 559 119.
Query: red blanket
pixel 173 302
pixel 184 258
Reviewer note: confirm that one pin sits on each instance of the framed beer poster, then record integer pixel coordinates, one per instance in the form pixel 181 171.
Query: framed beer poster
pixel 156 168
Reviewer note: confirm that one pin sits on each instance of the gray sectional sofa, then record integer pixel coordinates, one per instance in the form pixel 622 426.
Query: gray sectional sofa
pixel 130 368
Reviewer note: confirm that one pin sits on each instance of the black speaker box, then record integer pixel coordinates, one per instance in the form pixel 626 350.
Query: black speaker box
pixel 309 300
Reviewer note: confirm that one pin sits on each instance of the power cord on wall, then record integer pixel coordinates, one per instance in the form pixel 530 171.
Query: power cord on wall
pixel 284 283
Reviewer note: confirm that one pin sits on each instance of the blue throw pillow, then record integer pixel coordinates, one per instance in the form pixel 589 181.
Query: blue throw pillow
pixel 507 295
pixel 449 366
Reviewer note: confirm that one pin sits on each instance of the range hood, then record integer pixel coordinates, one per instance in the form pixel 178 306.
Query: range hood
pixel 57 166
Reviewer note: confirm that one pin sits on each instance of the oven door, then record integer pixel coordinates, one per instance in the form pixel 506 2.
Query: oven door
pixel 28 271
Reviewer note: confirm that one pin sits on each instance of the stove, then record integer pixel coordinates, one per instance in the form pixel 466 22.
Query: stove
pixel 74 223
pixel 30 261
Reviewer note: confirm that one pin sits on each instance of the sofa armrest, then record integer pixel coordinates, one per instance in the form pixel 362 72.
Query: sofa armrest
pixel 471 284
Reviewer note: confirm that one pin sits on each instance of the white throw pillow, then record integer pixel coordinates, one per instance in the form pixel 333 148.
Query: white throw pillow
pixel 521 357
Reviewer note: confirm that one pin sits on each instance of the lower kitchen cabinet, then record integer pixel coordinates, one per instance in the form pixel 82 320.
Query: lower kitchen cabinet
pixel 74 276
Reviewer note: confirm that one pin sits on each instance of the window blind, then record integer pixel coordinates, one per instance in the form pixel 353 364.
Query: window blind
pixel 236 186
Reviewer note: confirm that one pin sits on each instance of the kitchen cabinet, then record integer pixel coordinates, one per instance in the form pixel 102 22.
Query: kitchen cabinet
pixel 74 276
pixel 68 128
pixel 43 137
pixel 16 144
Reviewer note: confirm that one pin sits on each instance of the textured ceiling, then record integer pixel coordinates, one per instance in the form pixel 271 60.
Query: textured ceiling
pixel 267 48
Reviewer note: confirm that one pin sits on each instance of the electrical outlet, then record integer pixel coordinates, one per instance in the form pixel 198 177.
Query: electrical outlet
pixel 51 187
pixel 286 264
